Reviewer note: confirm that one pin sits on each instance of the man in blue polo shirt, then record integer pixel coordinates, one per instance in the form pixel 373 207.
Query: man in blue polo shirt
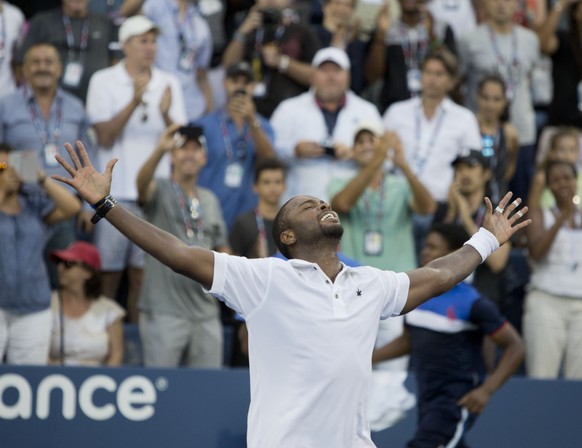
pixel 444 337
pixel 236 136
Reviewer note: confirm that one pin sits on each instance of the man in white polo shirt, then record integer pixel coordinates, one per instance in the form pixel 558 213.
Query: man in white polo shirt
pixel 312 321
pixel 314 131
pixel 130 105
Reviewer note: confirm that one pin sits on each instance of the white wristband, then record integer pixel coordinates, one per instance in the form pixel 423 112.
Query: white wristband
pixel 484 242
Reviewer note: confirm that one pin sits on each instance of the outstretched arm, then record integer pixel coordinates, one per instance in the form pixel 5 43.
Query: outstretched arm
pixel 193 262
pixel 442 274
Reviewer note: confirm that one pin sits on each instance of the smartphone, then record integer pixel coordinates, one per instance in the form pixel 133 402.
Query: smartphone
pixel 26 164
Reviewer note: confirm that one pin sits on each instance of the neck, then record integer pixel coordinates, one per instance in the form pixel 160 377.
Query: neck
pixel 268 210
pixel 430 105
pixel 331 105
pixel 325 257
pixel 44 95
pixel 73 293
pixel 501 27
pixel 488 124
pixel 410 18
pixel 475 200
pixel 134 70
pixel 565 206
pixel 187 184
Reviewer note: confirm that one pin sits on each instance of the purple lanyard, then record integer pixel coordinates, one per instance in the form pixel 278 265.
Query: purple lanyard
pixel 412 58
pixel 71 38
pixel 421 161
pixel 188 213
pixel 41 125
pixel 367 209
pixel 243 139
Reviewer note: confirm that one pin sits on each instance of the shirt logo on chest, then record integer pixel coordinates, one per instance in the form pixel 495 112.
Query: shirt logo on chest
pixel 358 292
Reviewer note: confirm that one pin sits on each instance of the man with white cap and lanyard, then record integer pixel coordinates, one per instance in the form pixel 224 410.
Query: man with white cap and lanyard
pixel 130 105
pixel 326 115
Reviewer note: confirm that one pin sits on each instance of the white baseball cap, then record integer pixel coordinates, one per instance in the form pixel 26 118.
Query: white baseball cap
pixel 332 54
pixel 371 126
pixel 136 26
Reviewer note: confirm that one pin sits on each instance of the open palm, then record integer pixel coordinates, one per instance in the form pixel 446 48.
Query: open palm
pixel 89 183
pixel 503 222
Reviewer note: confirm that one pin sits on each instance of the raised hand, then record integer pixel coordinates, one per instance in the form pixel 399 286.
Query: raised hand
pixel 89 183
pixel 500 223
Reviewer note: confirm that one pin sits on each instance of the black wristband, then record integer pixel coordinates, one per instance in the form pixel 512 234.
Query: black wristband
pixel 102 208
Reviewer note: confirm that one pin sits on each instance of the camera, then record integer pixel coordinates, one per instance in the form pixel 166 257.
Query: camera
pixel 240 92
pixel 271 16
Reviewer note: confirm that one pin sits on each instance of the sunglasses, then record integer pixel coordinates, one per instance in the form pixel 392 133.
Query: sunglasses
pixel 68 264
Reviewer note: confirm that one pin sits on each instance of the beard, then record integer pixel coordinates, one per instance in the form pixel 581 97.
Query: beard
pixel 334 232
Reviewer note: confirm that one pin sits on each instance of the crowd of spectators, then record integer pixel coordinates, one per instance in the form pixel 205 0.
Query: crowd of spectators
pixel 402 115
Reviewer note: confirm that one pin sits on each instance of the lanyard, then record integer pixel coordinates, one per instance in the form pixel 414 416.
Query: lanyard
pixel 412 58
pixel 243 139
pixel 263 247
pixel 193 212
pixel 478 219
pixel 182 27
pixel 421 161
pixel 71 38
pixel 512 66
pixel 42 126
pixel 368 193
pixel 490 146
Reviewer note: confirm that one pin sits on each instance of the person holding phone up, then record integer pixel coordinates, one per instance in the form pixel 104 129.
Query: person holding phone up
pixel 236 136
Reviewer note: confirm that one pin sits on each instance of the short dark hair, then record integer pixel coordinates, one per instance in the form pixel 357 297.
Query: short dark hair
pixel 454 234
pixel 280 224
pixel 269 163
pixel 445 57
pixel 43 44
pixel 551 164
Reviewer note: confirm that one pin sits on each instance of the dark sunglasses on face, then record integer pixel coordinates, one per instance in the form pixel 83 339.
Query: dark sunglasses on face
pixel 68 264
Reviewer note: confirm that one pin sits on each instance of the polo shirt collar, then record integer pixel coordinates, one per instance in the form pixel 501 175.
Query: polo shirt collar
pixel 304 264
pixel 29 94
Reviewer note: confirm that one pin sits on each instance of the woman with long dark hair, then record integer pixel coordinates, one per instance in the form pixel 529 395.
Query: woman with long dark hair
pixel 500 139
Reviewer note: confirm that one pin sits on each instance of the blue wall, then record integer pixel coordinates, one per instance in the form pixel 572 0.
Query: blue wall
pixel 195 408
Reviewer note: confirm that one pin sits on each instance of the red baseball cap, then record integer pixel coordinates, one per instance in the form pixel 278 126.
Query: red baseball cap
pixel 79 251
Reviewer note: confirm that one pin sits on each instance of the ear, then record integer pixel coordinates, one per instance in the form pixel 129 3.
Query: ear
pixel 488 174
pixel 288 237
